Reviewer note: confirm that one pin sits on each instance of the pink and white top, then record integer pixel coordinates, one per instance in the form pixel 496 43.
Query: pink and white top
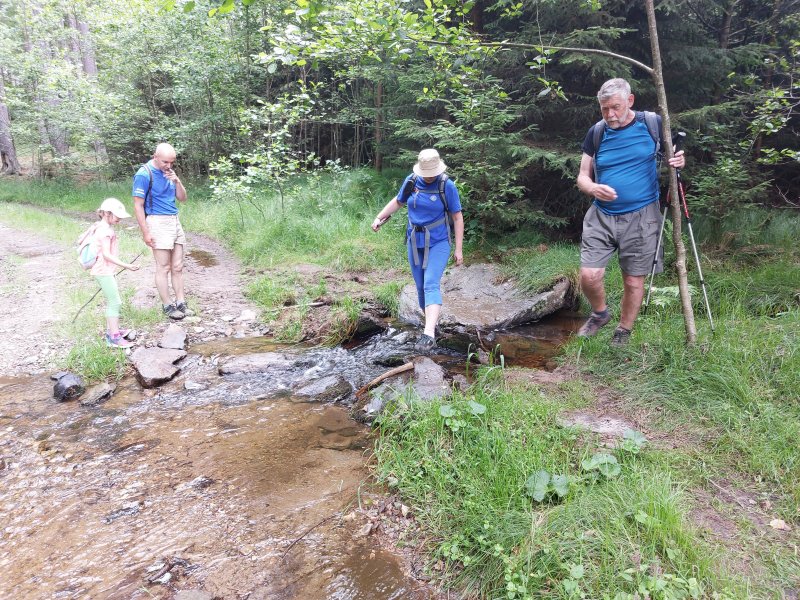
pixel 107 240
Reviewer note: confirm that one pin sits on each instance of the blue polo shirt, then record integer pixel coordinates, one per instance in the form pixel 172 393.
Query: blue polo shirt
pixel 161 200
pixel 626 161
pixel 425 206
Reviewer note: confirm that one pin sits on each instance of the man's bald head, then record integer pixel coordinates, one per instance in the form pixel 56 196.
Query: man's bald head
pixel 164 157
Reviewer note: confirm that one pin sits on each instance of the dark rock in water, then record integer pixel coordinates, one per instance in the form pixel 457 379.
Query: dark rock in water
pixel 59 375
pixel 368 324
pixel 257 363
pixel 68 387
pixel 98 394
pixel 326 389
pixel 174 337
pixel 155 366
pixel 478 297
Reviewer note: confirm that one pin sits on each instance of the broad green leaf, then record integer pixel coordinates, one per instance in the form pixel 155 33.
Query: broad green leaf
pixel 272 67
pixel 560 485
pixel 576 571
pixel 610 470
pixel 447 411
pixel 637 437
pixel 536 485
pixel 476 408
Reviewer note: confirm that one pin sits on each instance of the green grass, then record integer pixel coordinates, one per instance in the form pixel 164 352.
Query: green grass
pixel 465 474
pixel 388 295
pixel 536 269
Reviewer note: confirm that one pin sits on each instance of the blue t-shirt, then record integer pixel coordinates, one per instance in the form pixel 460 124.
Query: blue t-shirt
pixel 425 207
pixel 161 200
pixel 626 161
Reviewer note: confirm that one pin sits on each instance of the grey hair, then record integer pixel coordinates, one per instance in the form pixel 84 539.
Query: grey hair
pixel 614 87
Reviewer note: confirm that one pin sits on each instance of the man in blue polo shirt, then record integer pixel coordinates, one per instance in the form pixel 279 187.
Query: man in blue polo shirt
pixel 622 177
pixel 155 189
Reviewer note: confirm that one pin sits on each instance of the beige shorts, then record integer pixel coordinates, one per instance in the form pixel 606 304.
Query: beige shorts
pixel 166 231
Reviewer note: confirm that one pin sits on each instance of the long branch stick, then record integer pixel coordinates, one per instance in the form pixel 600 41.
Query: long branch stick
pixel 391 373
pixel 100 289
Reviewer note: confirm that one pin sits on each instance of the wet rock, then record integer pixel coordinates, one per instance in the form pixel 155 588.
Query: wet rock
pixel 58 375
pixel 98 394
pixel 155 366
pixel 257 363
pixel 127 510
pixel 428 380
pixel 194 595
pixel 326 389
pixel 368 324
pixel 174 337
pixel 68 387
pixel 367 409
pixel 198 483
pixel 477 297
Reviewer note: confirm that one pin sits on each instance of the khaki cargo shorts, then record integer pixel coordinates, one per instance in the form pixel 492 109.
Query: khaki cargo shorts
pixel 633 235
pixel 166 231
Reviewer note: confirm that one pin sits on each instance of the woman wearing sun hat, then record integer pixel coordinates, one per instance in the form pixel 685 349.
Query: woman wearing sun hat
pixel 432 198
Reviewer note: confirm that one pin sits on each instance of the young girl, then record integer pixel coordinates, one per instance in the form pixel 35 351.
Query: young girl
pixel 110 213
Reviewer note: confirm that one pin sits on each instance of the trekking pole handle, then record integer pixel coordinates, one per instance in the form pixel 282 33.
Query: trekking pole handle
pixel 679 139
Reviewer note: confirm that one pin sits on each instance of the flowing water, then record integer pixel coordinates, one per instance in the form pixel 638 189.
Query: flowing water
pixel 234 485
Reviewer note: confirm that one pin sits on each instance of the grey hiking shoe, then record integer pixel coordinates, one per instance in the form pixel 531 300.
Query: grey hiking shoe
pixel 172 312
pixel 187 312
pixel 593 324
pixel 620 337
pixel 424 344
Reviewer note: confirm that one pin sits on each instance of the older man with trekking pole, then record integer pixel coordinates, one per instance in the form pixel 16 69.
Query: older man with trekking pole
pixel 156 187
pixel 619 170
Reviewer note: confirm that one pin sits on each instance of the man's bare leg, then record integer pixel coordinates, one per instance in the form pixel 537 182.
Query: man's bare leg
pixel 177 273
pixel 593 287
pixel 631 299
pixel 163 260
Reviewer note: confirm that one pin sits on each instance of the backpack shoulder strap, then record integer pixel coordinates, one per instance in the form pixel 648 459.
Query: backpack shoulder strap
pixel 149 188
pixel 651 120
pixel 442 184
pixel 597 137
pixel 408 188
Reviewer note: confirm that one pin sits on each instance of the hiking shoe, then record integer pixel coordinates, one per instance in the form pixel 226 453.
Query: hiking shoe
pixel 117 341
pixel 424 344
pixel 620 337
pixel 187 312
pixel 172 312
pixel 593 324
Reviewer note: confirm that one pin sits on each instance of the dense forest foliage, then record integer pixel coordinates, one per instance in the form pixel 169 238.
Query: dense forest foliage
pixel 251 92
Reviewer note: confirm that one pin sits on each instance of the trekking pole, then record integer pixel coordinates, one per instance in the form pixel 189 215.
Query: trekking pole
pixel 99 290
pixel 682 195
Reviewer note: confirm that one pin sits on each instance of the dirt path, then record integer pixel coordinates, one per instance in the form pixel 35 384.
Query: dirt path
pixel 34 271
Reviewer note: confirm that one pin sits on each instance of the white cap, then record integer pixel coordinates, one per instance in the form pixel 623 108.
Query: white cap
pixel 115 207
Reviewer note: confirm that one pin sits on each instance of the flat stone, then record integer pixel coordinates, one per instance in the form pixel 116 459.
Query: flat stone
pixel 257 363
pixel 603 425
pixel 155 366
pixel 98 394
pixel 473 298
pixel 326 389
pixel 174 337
pixel 194 386
pixel 428 380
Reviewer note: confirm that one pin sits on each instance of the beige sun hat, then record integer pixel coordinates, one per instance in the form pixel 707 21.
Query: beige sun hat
pixel 429 164
pixel 115 207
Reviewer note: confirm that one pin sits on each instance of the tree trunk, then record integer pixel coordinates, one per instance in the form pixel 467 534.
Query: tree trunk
pixel 379 126
pixel 9 164
pixel 666 136
pixel 89 64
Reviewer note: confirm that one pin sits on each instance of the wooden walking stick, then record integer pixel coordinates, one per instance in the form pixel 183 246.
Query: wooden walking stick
pixel 75 318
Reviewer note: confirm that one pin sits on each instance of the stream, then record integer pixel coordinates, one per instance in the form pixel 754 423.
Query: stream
pixel 234 485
